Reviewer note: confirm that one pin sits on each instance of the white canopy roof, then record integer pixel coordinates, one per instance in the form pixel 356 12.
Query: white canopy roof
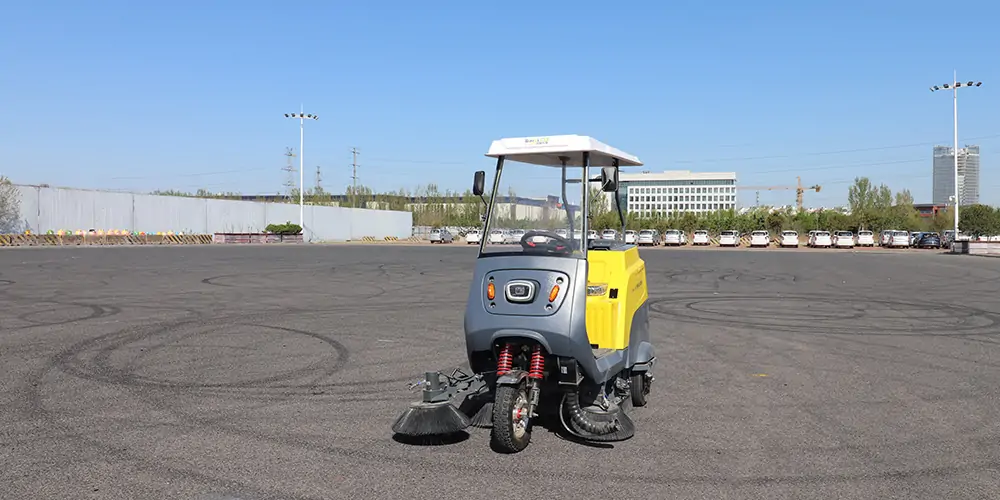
pixel 547 151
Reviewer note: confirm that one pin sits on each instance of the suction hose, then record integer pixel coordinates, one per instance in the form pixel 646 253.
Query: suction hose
pixel 572 403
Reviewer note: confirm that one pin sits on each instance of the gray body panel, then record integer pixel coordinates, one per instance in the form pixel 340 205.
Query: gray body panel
pixel 561 330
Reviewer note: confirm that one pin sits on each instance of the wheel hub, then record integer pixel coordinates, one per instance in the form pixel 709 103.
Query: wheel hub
pixel 519 415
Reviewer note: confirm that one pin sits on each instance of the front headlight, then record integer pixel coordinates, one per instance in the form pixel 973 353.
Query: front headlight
pixel 597 290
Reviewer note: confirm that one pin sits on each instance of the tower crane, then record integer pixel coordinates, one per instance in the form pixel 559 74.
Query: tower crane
pixel 799 190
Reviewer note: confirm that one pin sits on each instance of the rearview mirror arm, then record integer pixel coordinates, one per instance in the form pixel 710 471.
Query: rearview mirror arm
pixel 493 198
pixel 618 204
pixel 565 199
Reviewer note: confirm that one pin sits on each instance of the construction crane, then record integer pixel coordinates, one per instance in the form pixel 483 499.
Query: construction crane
pixel 799 190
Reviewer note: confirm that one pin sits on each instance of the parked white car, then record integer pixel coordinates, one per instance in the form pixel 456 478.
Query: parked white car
pixel 630 237
pixel 609 234
pixel 516 235
pixel 648 237
pixel 866 239
pixel 675 237
pixel 760 239
pixel 497 237
pixel 562 233
pixel 843 239
pixel 899 239
pixel 701 238
pixel 474 236
pixel 885 237
pixel 592 235
pixel 729 239
pixel 821 239
pixel 789 239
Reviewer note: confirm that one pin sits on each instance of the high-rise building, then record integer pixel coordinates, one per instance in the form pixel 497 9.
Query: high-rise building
pixel 944 175
pixel 676 191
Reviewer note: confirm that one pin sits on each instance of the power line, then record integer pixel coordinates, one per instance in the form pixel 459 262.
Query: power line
pixel 823 153
pixel 199 174
pixel 425 162
pixel 376 173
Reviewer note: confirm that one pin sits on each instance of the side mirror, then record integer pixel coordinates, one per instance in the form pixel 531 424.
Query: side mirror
pixel 479 183
pixel 609 179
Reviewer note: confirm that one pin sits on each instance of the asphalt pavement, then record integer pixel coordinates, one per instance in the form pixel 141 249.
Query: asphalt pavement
pixel 216 372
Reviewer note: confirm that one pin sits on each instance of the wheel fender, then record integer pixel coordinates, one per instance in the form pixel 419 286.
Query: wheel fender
pixel 514 334
pixel 512 377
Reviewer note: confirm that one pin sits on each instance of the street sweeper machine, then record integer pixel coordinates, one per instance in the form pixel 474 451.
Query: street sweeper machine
pixel 557 326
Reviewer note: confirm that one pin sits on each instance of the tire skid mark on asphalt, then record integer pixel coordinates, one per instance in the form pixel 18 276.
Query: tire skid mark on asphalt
pixel 658 479
pixel 859 451
pixel 138 459
pixel 404 458
pixel 93 311
pixel 809 337
pixel 37 409
pixel 407 460
pixel 866 352
pixel 73 361
pixel 97 368
pixel 684 308
pixel 391 273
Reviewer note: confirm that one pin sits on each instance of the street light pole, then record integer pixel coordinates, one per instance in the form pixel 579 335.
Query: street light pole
pixel 954 85
pixel 302 188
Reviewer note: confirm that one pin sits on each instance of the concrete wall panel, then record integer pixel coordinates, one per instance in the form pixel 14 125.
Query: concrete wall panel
pixel 227 216
pixel 153 213
pixel 44 209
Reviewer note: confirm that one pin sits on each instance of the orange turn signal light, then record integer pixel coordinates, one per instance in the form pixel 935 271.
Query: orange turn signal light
pixel 554 293
pixel 491 291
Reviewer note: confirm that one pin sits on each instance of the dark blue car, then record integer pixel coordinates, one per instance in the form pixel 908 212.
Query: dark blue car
pixel 928 240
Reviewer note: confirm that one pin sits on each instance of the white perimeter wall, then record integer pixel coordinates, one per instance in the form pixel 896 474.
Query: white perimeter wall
pixel 45 208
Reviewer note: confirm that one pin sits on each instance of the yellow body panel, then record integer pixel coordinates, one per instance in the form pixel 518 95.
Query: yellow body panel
pixel 609 316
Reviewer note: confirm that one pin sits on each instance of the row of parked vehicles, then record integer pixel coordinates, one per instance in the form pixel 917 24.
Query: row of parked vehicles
pixel 729 238
pixel 791 239
pixel 836 239
pixel 915 239
pixel 643 237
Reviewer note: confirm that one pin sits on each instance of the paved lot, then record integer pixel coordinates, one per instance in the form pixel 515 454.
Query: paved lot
pixel 264 372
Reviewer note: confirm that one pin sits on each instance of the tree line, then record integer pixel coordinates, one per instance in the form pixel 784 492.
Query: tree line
pixel 869 207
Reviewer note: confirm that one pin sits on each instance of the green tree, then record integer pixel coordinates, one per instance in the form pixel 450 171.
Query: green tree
pixel 979 220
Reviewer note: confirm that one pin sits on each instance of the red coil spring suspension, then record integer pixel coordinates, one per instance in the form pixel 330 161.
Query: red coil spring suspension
pixel 506 360
pixel 537 367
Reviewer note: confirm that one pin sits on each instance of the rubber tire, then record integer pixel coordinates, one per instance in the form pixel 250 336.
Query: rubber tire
pixel 639 396
pixel 502 436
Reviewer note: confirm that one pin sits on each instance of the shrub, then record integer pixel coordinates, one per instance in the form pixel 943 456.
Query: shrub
pixel 284 229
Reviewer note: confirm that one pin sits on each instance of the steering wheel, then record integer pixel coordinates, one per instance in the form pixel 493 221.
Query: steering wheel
pixel 554 243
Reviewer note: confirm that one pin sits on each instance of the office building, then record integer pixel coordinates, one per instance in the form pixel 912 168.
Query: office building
pixel 944 175
pixel 676 191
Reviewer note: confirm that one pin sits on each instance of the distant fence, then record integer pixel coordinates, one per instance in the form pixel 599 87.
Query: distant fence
pixel 45 209
pixel 31 240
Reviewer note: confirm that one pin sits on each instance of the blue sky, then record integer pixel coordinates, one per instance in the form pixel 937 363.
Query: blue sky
pixel 182 95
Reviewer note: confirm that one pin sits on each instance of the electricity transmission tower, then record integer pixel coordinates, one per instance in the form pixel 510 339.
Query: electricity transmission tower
pixel 289 170
pixel 354 177
pixel 318 190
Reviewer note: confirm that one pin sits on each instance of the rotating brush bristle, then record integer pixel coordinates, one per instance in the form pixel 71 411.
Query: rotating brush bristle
pixel 479 408
pixel 430 419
